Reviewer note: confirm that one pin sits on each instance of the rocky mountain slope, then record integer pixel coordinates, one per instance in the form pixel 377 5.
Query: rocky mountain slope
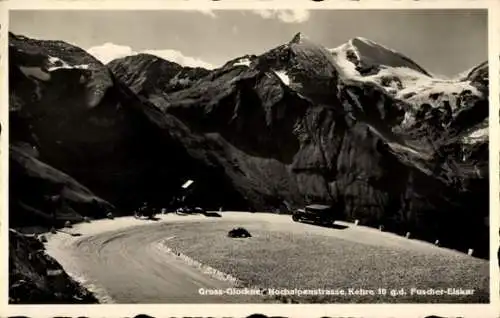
pixel 146 74
pixel 81 121
pixel 360 126
pixel 36 278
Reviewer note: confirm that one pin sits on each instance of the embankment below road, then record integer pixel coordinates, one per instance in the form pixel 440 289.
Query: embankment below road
pixel 37 278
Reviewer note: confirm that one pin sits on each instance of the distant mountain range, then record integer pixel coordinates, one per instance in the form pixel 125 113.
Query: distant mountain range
pixel 359 126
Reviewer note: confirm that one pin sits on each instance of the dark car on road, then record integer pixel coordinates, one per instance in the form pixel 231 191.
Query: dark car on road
pixel 146 211
pixel 190 210
pixel 315 213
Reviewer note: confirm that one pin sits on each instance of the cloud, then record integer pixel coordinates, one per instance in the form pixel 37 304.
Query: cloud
pixel 179 58
pixel 110 51
pixel 287 16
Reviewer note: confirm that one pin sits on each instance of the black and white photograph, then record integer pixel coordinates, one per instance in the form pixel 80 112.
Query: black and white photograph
pixel 265 156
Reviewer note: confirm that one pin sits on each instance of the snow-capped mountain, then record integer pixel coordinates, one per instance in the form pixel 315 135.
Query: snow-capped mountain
pixel 366 61
pixel 366 57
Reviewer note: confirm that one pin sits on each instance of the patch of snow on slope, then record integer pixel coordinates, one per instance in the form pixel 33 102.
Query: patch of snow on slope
pixel 345 67
pixel 408 120
pixel 283 77
pixel 450 89
pixel 55 60
pixel 56 64
pixel 407 76
pixel 177 80
pixel 375 54
pixel 403 83
pixel 80 67
pixel 399 147
pixel 444 86
pixel 244 62
pixel 476 136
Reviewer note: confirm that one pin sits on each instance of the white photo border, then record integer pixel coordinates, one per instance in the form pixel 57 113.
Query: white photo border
pixel 244 310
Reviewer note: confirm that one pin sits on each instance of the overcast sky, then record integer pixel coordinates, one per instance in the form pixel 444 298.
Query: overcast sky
pixel 444 42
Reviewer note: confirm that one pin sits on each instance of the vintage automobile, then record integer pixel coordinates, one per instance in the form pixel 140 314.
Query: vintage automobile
pixel 315 213
pixel 146 211
pixel 190 210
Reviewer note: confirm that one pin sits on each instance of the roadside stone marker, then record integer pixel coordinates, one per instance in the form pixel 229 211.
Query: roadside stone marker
pixel 356 222
pixel 470 252
pixel 407 234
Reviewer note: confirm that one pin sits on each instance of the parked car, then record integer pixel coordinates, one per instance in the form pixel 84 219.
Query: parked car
pixel 191 210
pixel 315 213
pixel 145 211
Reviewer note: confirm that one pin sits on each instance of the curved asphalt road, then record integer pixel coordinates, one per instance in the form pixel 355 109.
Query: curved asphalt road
pixel 126 266
pixel 120 261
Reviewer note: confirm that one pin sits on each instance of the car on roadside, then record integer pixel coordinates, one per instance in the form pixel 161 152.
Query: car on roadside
pixel 315 213
pixel 190 210
pixel 146 211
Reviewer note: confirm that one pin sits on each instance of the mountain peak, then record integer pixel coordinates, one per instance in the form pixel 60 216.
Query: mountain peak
pixel 362 39
pixel 373 54
pixel 298 38
pixel 359 40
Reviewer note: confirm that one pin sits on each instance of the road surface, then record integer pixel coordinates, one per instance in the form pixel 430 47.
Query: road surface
pixel 121 260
